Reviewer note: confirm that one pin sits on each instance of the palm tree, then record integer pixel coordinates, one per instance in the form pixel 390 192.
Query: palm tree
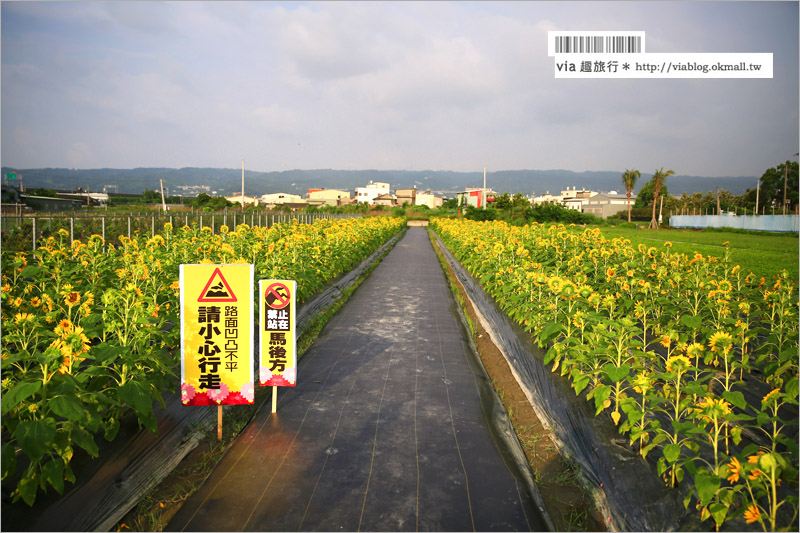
pixel 658 181
pixel 629 179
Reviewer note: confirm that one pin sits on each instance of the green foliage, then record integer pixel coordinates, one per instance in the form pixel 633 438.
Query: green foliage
pixel 644 197
pixel 691 357
pixel 518 211
pixel 771 193
pixel 474 213
pixel 450 203
pixel 150 196
pixel 42 192
pixel 764 254
pixel 556 213
pixel 211 203
pixel 90 334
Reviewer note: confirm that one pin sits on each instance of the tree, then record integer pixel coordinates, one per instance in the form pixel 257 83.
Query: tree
pixel 658 180
pixel 644 198
pixel 503 201
pixel 629 178
pixel 212 203
pixel 151 196
pixel 450 203
pixel 49 193
pixel 771 193
pixel 520 202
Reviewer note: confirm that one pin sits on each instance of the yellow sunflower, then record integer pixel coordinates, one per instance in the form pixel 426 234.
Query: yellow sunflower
pixel 721 341
pixel 773 392
pixel 678 364
pixel 751 514
pixel 72 299
pixel 734 468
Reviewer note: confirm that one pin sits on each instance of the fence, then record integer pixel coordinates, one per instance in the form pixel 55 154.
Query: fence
pixel 23 233
pixel 777 223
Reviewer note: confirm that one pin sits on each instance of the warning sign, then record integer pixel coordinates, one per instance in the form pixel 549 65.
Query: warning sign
pixel 278 360
pixel 216 334
pixel 217 289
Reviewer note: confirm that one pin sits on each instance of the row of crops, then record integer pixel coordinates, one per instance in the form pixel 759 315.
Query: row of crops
pixel 89 335
pixel 692 359
pixel 23 233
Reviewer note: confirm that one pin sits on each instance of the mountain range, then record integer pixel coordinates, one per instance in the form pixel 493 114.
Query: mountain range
pixel 226 181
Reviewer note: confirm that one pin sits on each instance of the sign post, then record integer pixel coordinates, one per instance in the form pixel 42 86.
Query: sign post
pixel 216 310
pixel 277 316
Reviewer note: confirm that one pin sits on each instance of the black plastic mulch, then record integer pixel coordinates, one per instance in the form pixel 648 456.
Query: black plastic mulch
pixel 389 428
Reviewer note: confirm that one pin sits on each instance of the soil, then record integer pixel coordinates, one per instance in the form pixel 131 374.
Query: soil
pixel 562 488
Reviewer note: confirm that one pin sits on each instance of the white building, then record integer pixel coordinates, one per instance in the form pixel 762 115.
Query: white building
pixel 606 204
pixel 280 198
pixel 369 193
pixel 327 196
pixel 547 198
pixel 570 198
pixel 426 198
pixel 237 199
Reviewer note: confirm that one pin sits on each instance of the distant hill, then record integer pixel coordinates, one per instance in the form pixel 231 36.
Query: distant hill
pixel 226 181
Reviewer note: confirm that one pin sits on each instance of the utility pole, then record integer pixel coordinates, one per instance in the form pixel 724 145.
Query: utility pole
pixel 785 180
pixel 163 203
pixel 484 187
pixel 242 185
pixel 785 183
pixel 758 190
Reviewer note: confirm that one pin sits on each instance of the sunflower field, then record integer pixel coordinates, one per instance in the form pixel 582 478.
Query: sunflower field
pixel 691 358
pixel 90 334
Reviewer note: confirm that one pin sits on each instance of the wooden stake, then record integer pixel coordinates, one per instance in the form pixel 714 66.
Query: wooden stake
pixel 274 399
pixel 219 422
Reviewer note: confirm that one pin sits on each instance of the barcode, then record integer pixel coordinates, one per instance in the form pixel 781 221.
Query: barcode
pixel 595 42
pixel 577 44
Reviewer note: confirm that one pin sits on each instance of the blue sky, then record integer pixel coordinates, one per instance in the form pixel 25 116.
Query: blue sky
pixel 406 85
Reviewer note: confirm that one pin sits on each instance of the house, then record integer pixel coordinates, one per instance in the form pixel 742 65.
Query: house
pixel 566 194
pixel 547 198
pixel 475 196
pixel 369 193
pixel 237 199
pixel 326 196
pixel 280 198
pixel 605 204
pixel 576 200
pixel 413 197
pixel 406 196
pixel 426 198
pixel 574 204
pixel 387 200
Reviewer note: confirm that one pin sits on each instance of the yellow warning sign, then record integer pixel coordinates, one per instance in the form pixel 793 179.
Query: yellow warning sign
pixel 217 289
pixel 277 315
pixel 217 334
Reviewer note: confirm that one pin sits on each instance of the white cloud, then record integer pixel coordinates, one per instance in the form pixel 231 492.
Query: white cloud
pixel 400 84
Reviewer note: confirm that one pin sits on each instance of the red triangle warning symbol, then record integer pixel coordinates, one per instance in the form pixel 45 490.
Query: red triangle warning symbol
pixel 217 289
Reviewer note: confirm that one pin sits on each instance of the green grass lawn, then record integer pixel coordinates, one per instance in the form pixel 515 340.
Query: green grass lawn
pixel 765 255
